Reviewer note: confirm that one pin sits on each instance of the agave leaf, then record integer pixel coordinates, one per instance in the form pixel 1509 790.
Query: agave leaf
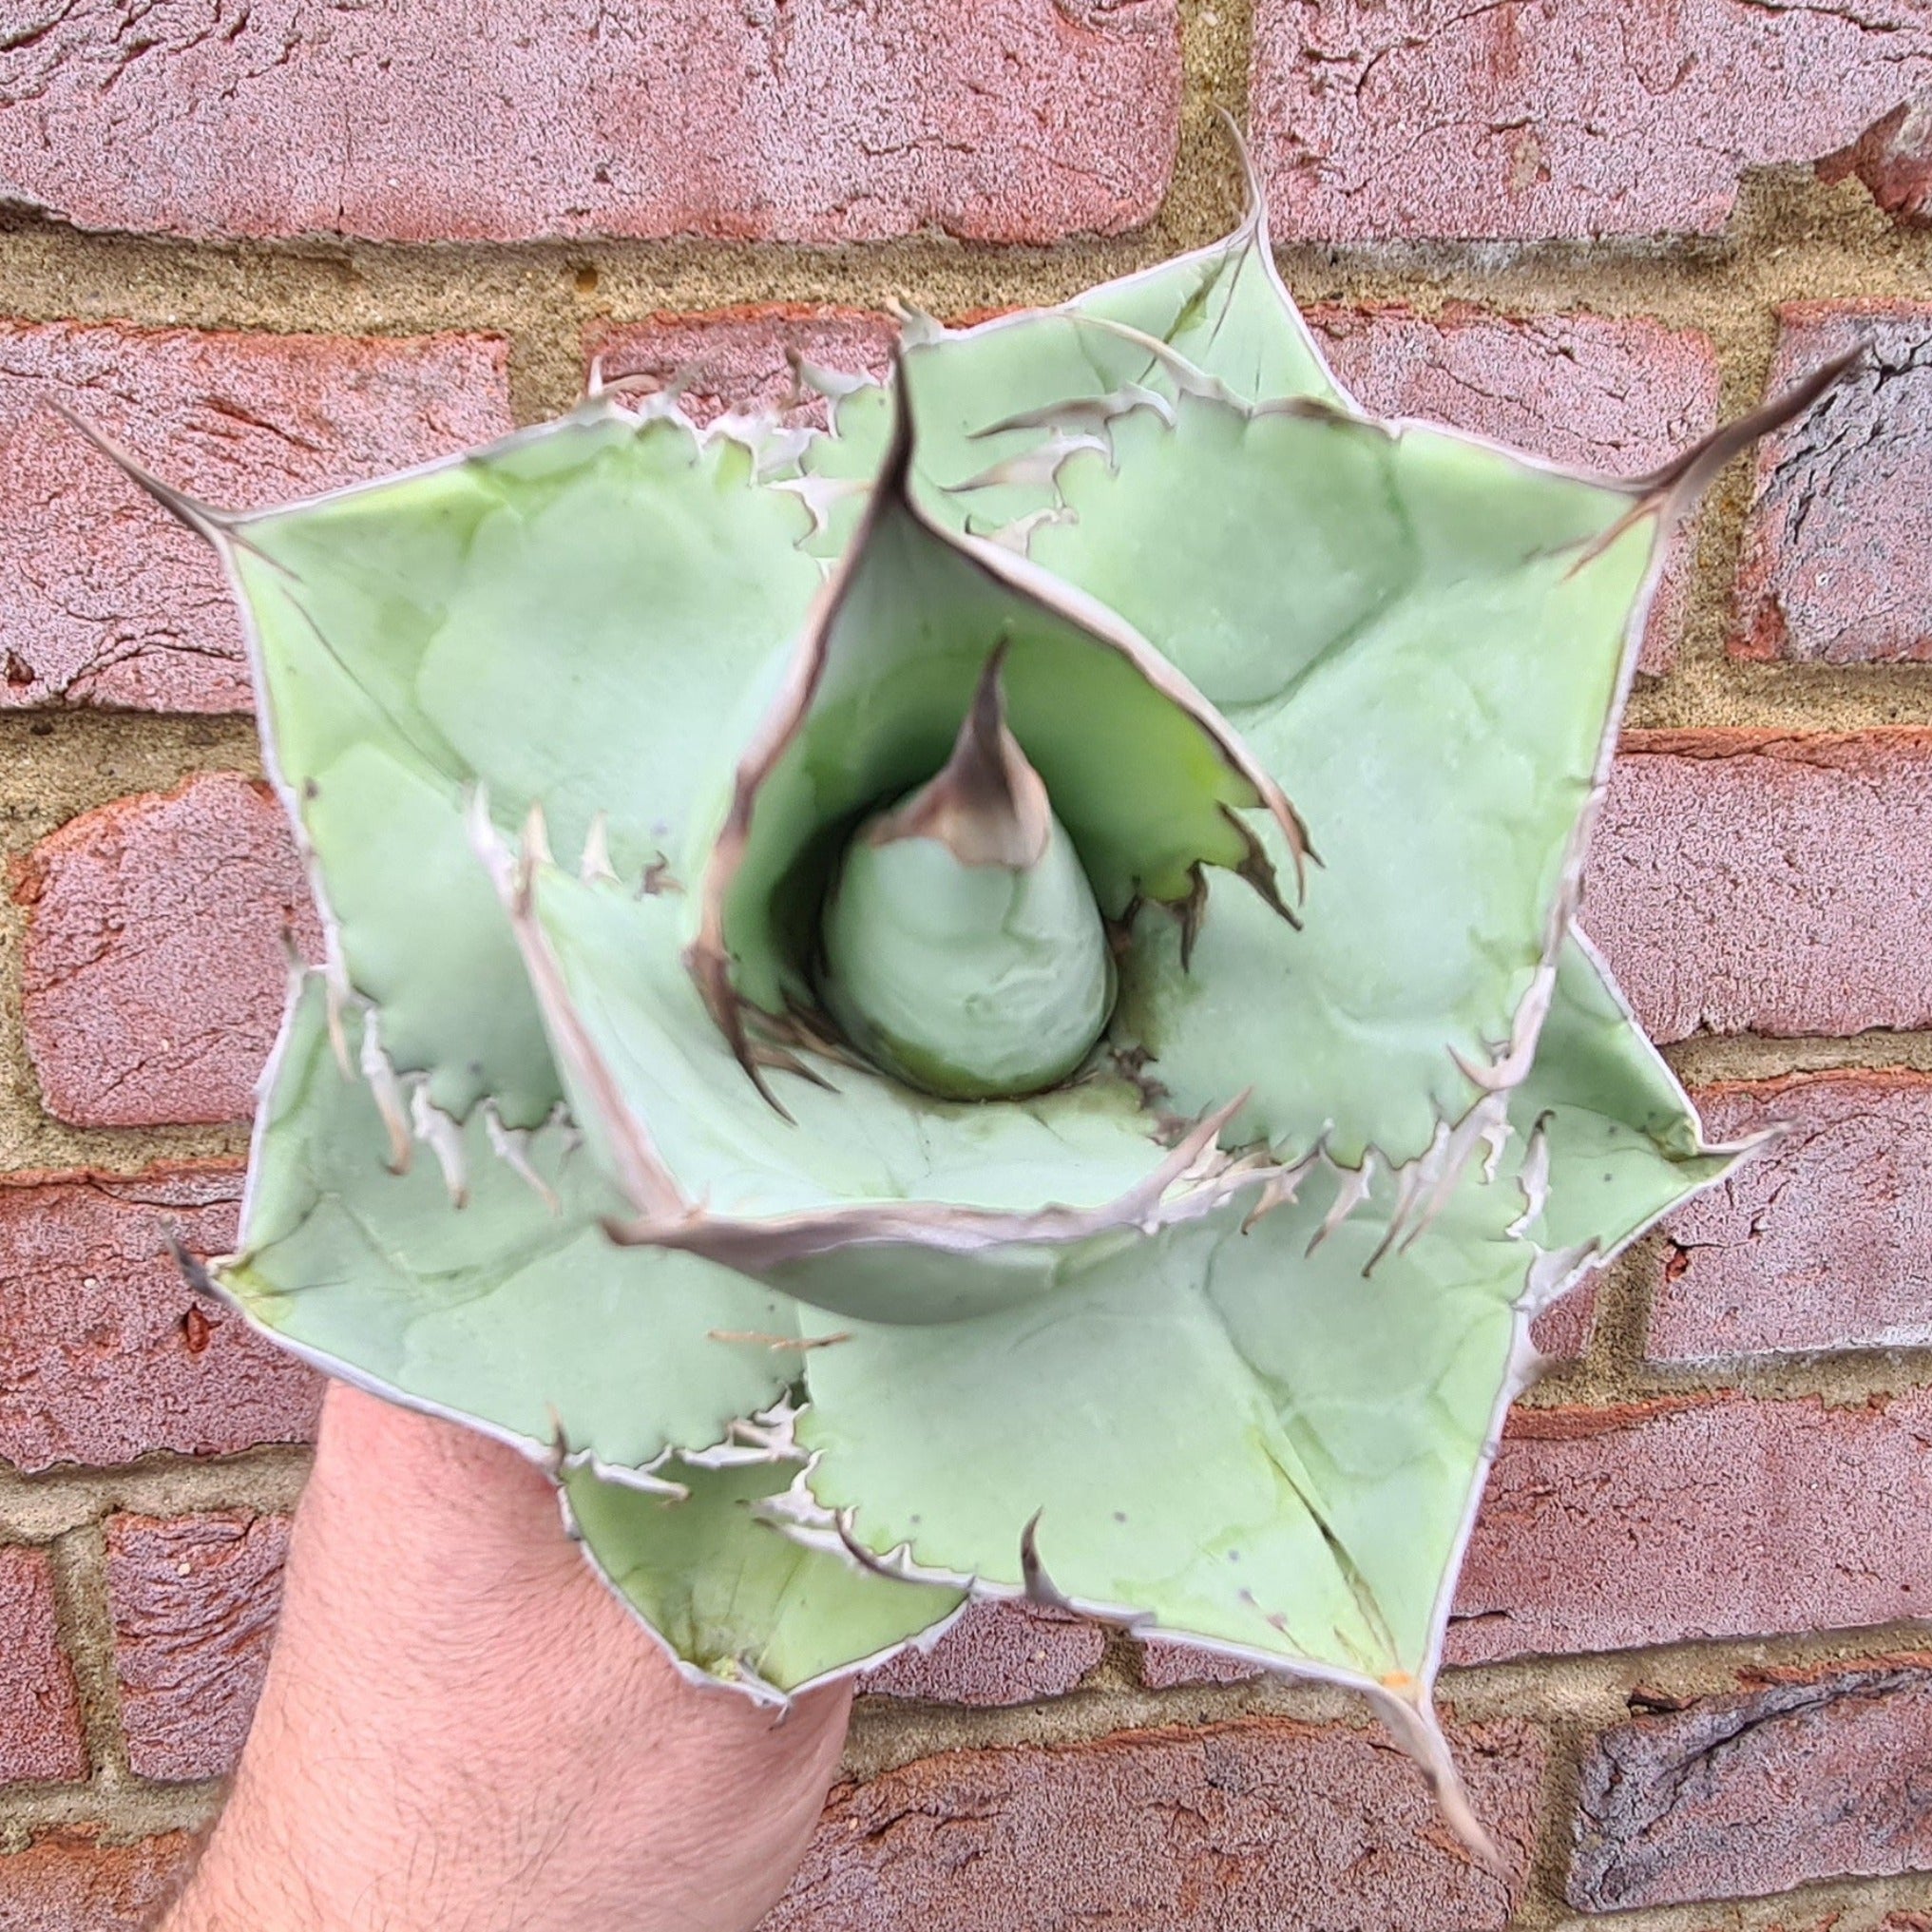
pixel 513 1310
pixel 1438 698
pixel 731 1598
pixel 552 617
pixel 862 1196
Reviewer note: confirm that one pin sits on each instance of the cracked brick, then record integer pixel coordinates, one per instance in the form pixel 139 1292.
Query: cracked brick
pixel 68 1881
pixel 40 1738
pixel 1752 882
pixel 1617 395
pixel 1893 158
pixel 1817 1775
pixel 106 1354
pixel 1215 1826
pixel 1695 1517
pixel 194 1600
pixel 513 120
pixel 1526 120
pixel 1831 571
pixel 997 1653
pixel 111 601
pixel 154 967
pixel 1821 1241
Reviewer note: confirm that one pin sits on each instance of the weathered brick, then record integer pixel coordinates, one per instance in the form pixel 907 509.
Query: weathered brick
pixel 996 1654
pixel 111 601
pixel 40 1707
pixel 106 1352
pixel 69 1882
pixel 1621 396
pixel 1562 1332
pixel 1423 119
pixel 737 357
pixel 1822 1241
pixel 1747 882
pixel 194 1600
pixel 1706 1516
pixel 1893 158
pixel 510 120
pixel 1815 1775
pixel 1238 1827
pixel 154 969
pixel 1830 572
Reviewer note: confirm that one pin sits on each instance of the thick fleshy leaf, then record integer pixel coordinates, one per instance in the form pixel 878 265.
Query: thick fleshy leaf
pixel 555 618
pixel 862 1196
pixel 731 1598
pixel 511 1310
pixel 1437 696
pixel 1144 776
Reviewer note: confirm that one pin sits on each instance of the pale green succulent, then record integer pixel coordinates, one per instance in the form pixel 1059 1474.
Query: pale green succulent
pixel 933 1130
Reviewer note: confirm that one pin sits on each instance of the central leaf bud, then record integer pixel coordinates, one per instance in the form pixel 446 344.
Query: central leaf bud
pixel 963 952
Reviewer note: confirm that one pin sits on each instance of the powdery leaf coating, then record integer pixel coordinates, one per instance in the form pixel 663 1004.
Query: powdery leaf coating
pixel 106 1353
pixel 1819 1243
pixel 1832 572
pixel 508 121
pixel 1816 1774
pixel 40 1707
pixel 1205 1829
pixel 108 601
pixel 1747 882
pixel 1699 1516
pixel 194 1601
pixel 154 968
pixel 1533 119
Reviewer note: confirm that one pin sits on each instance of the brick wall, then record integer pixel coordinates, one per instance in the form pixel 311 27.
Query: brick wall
pixel 276 246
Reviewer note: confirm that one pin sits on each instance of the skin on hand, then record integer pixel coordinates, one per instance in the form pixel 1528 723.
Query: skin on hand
pixel 462 1730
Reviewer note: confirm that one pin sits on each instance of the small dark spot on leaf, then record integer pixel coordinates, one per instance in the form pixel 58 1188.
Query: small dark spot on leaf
pixel 1120 1516
pixel 310 788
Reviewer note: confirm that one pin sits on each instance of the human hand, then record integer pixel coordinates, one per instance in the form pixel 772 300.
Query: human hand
pixel 462 1730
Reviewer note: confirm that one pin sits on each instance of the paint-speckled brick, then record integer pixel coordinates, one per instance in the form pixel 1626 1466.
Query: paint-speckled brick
pixel 109 602
pixel 510 120
pixel 40 1709
pixel 996 1654
pixel 69 1880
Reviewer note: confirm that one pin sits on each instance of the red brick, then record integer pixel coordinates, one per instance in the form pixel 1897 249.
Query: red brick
pixel 1692 1516
pixel 1893 158
pixel 1231 1828
pixel 1562 1332
pixel 194 1600
pixel 154 971
pixel 737 357
pixel 1816 1776
pixel 510 119
pixel 40 1707
pixel 1621 396
pixel 1821 1242
pixel 111 601
pixel 996 1654
pixel 1166 1666
pixel 69 1882
pixel 1424 118
pixel 106 1352
pixel 1745 882
pixel 1830 572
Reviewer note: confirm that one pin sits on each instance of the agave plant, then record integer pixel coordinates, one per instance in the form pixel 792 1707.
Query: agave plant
pixel 916 1113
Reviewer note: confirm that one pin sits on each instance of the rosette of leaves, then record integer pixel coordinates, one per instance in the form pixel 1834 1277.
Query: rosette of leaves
pixel 913 1112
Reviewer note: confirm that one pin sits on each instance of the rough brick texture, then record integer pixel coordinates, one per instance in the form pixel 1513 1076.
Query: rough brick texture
pixel 40 1707
pixel 1615 395
pixel 194 1601
pixel 737 357
pixel 1893 158
pixel 155 969
pixel 1698 1517
pixel 996 1654
pixel 69 1882
pixel 109 601
pixel 505 120
pixel 1824 1241
pixel 106 1352
pixel 1742 882
pixel 1818 1776
pixel 1832 573
pixel 1532 118
pixel 1232 1827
